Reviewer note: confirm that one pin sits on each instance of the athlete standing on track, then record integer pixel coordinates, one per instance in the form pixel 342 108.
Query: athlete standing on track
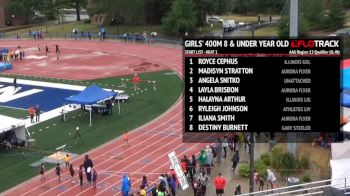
pixel 47 50
pixel 81 175
pixel 57 49
pixel 126 138
pixel 42 172
pixel 71 171
pixel 58 172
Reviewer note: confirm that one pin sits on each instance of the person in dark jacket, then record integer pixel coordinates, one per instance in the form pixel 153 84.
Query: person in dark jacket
pixel 173 185
pixel 235 160
pixel 88 166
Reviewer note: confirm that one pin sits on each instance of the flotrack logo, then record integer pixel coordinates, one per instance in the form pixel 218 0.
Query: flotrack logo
pixel 9 93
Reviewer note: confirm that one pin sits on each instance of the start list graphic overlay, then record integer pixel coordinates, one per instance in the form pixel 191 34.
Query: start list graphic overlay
pixel 250 85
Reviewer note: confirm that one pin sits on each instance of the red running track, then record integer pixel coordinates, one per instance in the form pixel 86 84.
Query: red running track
pixel 150 144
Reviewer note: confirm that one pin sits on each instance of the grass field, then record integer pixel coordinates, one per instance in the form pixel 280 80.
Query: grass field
pixel 263 32
pixel 15 113
pixel 139 110
pixel 347 22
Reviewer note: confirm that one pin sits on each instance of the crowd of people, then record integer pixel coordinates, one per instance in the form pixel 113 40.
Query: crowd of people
pixel 36 34
pixel 197 169
pixel 90 172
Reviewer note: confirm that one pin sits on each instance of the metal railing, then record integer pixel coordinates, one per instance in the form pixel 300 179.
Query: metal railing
pixel 129 38
pixel 312 188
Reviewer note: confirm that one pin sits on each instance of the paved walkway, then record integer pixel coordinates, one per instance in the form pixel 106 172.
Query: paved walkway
pixel 225 169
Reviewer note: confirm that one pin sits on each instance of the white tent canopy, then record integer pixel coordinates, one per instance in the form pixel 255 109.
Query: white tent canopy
pixel 346 127
pixel 8 123
pixel 340 170
pixel 340 163
pixel 341 150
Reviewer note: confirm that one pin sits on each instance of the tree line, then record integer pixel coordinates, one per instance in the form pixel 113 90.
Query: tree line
pixel 27 9
pixel 316 15
pixel 180 16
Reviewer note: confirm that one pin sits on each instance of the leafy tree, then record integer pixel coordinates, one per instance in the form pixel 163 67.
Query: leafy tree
pixel 204 8
pixel 182 17
pixel 75 4
pixel 23 8
pixel 346 4
pixel 336 16
pixel 313 12
pixel 135 11
pixel 257 6
pixel 283 25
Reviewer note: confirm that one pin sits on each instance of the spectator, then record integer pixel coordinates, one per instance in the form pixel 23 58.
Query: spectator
pixel 235 141
pixel 230 142
pixel 143 191
pixel 67 160
pixel 32 112
pixel 166 179
pixel 88 166
pixel 194 164
pixel 173 185
pixel 144 182
pixel 238 190
pixel 213 150
pixel 261 183
pixel 225 145
pixel 197 189
pixel 255 176
pixel 235 161
pixel 188 167
pixel 184 165
pixel 161 190
pixel 271 178
pixel 209 154
pixel 246 141
pixel 219 150
pixel 155 190
pixel 202 160
pixel 126 185
pixel 220 184
pixel 203 180
pixel 37 112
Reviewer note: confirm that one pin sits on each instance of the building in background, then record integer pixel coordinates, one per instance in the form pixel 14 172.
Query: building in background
pixel 3 14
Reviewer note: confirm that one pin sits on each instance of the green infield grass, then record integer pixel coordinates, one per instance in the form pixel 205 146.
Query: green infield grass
pixel 138 110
